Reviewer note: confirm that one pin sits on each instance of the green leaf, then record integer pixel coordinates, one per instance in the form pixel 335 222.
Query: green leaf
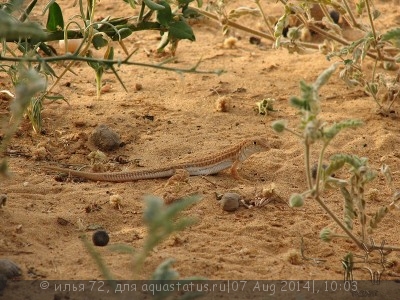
pixel 280 25
pixel 393 36
pixel 279 125
pixel 379 215
pixel 164 16
pixel 165 271
pixel 11 29
pixel 372 88
pixel 332 131
pixel 336 164
pixel 353 160
pixel 326 235
pixel 161 221
pixel 375 14
pixel 98 41
pixel 299 103
pixel 360 6
pixel 181 30
pixel 307 91
pixel 190 13
pixel 324 77
pixel 154 6
pixel 124 33
pixel 156 214
pixel 348 210
pixel 55 20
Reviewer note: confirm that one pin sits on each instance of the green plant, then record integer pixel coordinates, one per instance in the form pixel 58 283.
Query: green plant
pixel 162 221
pixel 301 18
pixel 32 50
pixel 28 85
pixel 265 106
pixel 313 131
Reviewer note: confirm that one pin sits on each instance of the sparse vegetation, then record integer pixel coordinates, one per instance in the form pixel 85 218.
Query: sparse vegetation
pixel 161 221
pixel 32 55
pixel 302 19
pixel 313 131
pixel 29 65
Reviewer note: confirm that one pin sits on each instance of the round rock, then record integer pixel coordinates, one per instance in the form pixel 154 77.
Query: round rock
pixel 100 238
pixel 9 269
pixel 230 201
pixel 104 138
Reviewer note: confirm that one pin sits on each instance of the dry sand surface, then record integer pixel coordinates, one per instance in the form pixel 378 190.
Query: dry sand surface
pixel 173 117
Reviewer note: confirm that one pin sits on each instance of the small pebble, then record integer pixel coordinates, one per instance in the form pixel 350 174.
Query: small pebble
pixel 62 221
pixel 72 45
pixel 138 86
pixel 3 200
pixel 116 201
pixel 18 229
pixel 255 40
pixel 222 104
pixel 230 42
pixel 100 238
pixel 230 201
pixel 104 138
pixel 106 88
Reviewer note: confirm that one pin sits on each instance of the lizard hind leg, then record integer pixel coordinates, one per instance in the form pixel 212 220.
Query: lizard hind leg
pixel 181 175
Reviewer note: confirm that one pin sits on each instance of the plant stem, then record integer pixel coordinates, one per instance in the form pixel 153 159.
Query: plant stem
pixel 349 233
pixel 350 13
pixel 374 70
pixel 337 221
pixel 373 29
pixel 108 62
pixel 373 95
pixel 346 43
pixel 310 25
pixel 140 18
pixel 293 132
pixel 307 164
pixel 76 34
pixel 391 103
pixel 326 12
pixel 319 167
pixel 269 26
pixel 235 25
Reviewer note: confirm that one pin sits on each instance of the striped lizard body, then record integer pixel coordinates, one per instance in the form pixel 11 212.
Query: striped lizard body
pixel 212 164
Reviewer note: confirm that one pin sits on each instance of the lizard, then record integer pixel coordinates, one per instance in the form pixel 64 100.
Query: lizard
pixel 211 164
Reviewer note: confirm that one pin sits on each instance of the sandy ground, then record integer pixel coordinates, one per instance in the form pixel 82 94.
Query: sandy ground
pixel 173 118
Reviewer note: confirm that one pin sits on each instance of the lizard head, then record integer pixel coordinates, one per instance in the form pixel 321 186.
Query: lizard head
pixel 253 146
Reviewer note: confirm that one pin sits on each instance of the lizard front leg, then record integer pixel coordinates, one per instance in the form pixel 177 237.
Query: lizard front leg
pixel 234 170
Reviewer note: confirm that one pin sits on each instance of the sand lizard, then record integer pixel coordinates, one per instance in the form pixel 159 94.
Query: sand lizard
pixel 212 164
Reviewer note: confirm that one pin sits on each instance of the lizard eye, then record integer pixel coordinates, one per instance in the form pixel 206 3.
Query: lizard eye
pixel 255 142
